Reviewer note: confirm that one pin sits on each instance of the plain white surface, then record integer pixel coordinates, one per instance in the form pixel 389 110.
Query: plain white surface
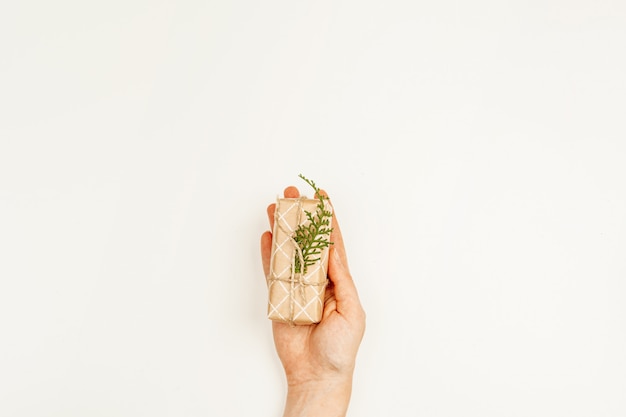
pixel 475 153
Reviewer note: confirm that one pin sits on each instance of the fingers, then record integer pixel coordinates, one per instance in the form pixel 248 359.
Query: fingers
pixel 271 209
pixel 292 192
pixel 266 251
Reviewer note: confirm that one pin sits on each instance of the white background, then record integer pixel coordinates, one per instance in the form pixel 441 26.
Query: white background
pixel 475 153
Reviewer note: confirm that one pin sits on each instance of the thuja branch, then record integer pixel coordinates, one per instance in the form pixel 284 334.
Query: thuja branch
pixel 313 236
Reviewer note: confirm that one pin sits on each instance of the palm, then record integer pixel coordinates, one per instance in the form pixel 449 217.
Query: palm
pixel 307 350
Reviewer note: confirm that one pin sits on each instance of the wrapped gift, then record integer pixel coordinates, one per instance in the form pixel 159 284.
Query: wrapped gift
pixel 296 285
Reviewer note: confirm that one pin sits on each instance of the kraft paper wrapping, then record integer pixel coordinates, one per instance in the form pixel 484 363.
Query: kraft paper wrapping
pixel 294 298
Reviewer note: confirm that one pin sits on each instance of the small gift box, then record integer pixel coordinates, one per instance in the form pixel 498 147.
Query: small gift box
pixel 298 275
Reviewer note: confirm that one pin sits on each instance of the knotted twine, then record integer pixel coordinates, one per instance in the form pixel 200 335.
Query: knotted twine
pixel 295 278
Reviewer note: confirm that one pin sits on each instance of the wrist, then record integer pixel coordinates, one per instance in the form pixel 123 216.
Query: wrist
pixel 324 397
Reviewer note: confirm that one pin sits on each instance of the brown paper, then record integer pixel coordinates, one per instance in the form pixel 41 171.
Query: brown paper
pixel 294 298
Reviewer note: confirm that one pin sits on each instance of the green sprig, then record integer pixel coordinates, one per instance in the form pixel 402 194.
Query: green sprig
pixel 313 236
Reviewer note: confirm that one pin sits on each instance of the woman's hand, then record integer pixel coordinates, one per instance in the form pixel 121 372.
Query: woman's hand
pixel 319 359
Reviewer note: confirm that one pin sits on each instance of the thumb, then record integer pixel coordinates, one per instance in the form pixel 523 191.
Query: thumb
pixel 346 294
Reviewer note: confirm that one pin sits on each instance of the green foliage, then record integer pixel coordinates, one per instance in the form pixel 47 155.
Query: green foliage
pixel 313 236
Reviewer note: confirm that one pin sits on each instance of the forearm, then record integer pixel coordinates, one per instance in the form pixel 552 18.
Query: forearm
pixel 328 398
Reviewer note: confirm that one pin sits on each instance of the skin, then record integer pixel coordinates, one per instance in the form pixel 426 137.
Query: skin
pixel 319 359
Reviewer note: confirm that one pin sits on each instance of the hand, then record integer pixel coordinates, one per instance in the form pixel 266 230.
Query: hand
pixel 319 359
